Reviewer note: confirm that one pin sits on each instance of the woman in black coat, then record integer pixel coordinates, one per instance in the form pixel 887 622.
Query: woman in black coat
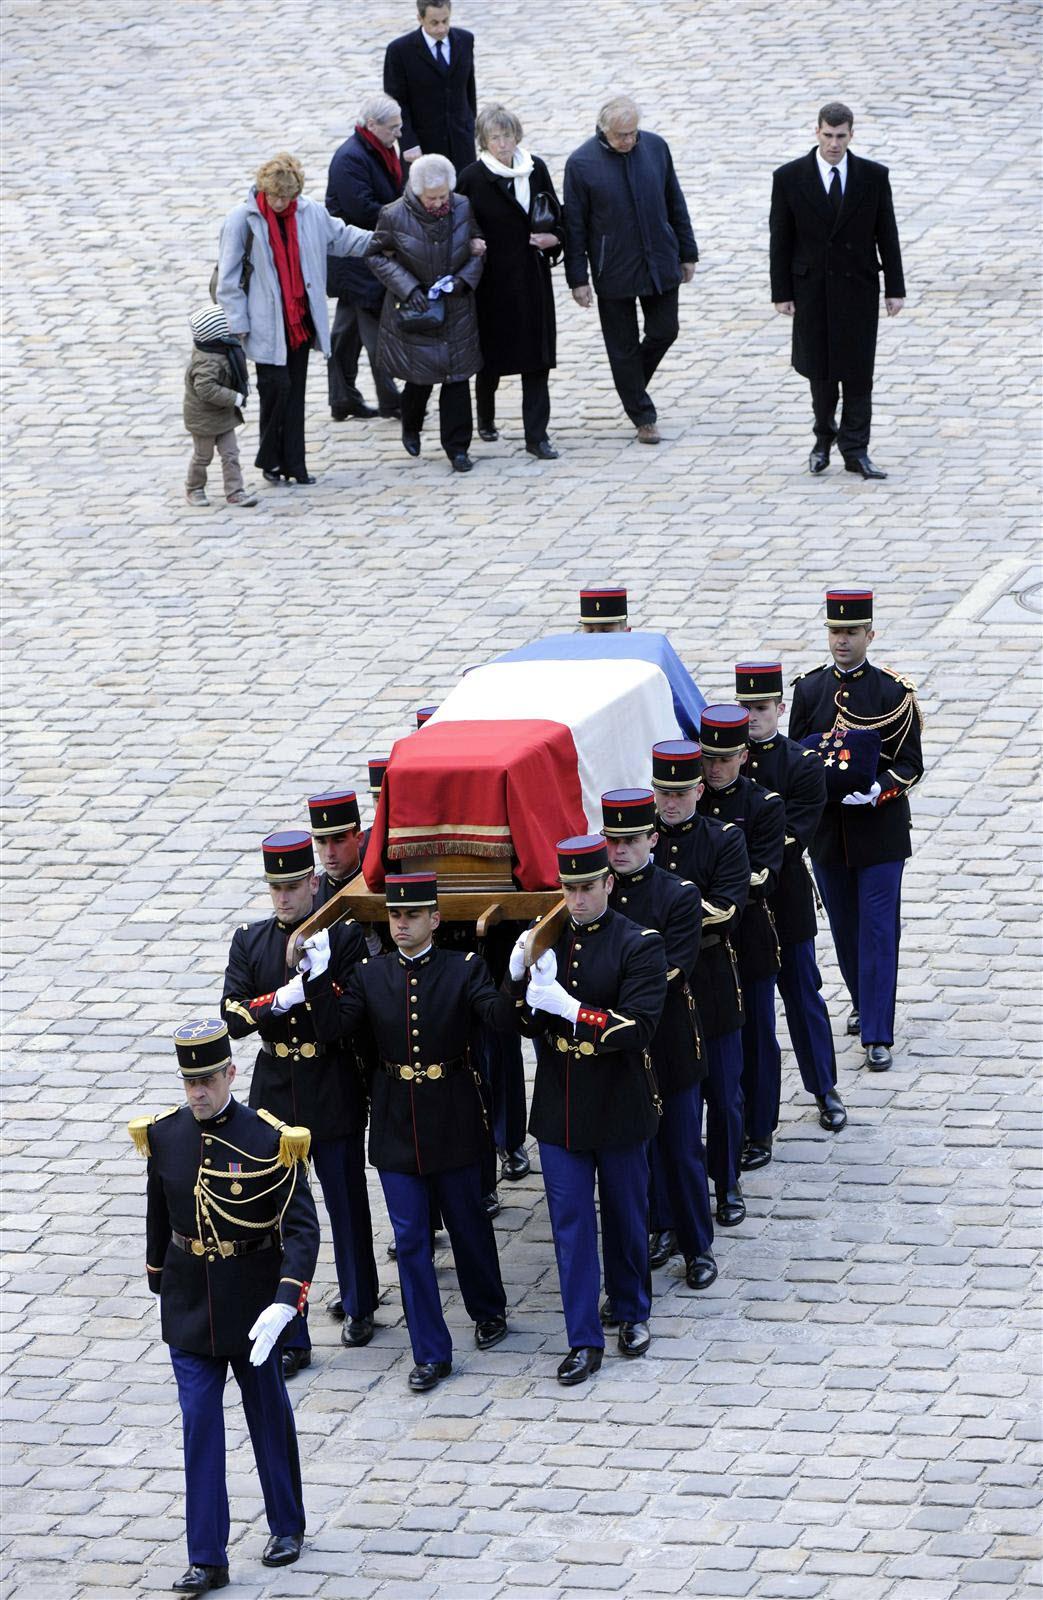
pixel 517 210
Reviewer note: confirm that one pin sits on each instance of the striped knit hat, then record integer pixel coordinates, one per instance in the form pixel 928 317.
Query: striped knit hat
pixel 209 322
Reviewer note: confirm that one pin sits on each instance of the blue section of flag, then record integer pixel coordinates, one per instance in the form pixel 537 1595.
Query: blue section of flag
pixel 655 648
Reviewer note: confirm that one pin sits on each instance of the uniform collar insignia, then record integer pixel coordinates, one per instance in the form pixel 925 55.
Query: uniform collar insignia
pixel 635 877
pixel 715 794
pixel 765 744
pixel 221 1118
pixel 415 961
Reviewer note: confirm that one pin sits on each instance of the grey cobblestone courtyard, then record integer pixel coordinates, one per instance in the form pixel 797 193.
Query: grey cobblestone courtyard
pixel 852 1411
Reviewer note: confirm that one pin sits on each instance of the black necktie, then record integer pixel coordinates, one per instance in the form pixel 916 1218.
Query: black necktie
pixel 836 193
pixel 440 53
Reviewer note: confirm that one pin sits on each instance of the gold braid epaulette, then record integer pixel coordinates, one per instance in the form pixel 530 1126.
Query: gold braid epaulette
pixel 294 1143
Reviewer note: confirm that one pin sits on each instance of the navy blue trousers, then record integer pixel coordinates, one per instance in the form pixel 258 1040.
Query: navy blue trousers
pixel 622 1183
pixel 761 1060
pixel 679 1195
pixel 458 1195
pixel 340 1165
pixel 724 1110
pixel 800 985
pixel 864 907
pixel 269 1417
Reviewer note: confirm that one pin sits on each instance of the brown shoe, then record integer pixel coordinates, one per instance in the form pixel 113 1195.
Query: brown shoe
pixel 648 433
pixel 241 497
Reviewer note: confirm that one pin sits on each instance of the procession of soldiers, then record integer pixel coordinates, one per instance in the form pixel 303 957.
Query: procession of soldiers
pixel 684 914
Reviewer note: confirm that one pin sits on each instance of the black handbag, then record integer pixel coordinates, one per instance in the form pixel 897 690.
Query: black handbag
pixel 245 270
pixel 425 319
pixel 545 213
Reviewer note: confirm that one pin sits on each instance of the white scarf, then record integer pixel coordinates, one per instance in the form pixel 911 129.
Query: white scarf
pixel 520 172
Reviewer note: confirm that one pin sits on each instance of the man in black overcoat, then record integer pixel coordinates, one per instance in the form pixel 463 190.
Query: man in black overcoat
pixel 832 232
pixel 430 72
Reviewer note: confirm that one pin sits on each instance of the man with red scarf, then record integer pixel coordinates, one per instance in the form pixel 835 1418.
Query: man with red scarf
pixel 365 174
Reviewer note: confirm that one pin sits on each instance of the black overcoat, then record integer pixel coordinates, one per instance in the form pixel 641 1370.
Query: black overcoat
pixel 656 899
pixel 713 856
pixel 864 836
pixel 438 107
pixel 358 187
pixel 800 778
pixel 832 272
pixel 515 298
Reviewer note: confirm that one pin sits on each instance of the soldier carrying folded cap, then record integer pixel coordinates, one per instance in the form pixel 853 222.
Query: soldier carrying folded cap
pixel 232 1240
pixel 302 1079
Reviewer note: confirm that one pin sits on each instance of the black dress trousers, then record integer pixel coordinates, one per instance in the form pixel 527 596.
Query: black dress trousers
pixel 280 391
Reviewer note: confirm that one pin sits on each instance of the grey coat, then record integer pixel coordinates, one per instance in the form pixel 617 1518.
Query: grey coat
pixel 211 403
pixel 411 250
pixel 257 317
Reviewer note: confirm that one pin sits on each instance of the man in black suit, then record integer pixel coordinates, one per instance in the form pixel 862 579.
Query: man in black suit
pixel 430 72
pixel 832 232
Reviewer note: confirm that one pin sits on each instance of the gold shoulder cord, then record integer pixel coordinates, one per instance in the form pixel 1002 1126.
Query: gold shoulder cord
pixel 207 1203
pixel 902 713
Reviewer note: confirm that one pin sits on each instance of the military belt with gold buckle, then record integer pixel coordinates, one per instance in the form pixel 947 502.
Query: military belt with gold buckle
pixel 223 1247
pixel 563 1046
pixel 303 1051
pixel 435 1070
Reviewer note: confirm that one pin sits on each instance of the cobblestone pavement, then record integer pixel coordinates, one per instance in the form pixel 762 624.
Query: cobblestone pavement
pixel 852 1411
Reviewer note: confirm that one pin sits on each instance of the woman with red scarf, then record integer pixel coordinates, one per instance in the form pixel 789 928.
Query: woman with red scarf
pixel 272 286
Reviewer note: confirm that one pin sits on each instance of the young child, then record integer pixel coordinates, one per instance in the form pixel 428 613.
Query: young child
pixel 215 387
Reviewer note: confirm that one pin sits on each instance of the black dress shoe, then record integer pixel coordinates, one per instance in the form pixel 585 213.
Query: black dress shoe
pixel 342 413
pixel 878 1058
pixel 756 1153
pixel 293 477
pixel 462 462
pixel 390 411
pixel 357 1331
pixel 294 1361
pixel 818 461
pixel 832 1113
pixel 514 1165
pixel 731 1207
pixel 580 1364
pixel 544 451
pixel 335 1308
pixel 863 466
pixel 282 1549
pixel 200 1580
pixel 486 1334
pixel 410 442
pixel 607 1314
pixel 661 1246
pixel 700 1272
pixel 428 1374
pixel 854 1025
pixel 491 1204
pixel 633 1338
pixel 271 477
pixel 489 432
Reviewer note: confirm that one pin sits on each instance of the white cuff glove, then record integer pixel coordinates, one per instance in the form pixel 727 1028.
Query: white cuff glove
pixel 547 967
pixel 266 1331
pixel 516 965
pixel 552 998
pixel 316 955
pixel 291 994
pixel 857 799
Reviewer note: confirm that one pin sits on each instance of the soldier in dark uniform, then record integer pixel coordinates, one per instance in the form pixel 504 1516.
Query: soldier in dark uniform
pixel 232 1240
pixel 712 855
pixel 299 1077
pixel 595 1103
pixel 603 610
pixel 654 898
pixel 336 828
pixel 428 1126
pixel 797 774
pixel 863 841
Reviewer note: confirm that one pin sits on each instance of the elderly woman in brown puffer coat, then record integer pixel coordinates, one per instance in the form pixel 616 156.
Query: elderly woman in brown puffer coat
pixel 428 240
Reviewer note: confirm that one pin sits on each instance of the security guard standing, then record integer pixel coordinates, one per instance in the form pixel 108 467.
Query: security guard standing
pixel 654 898
pixel 863 841
pixel 603 610
pixel 595 1102
pixel 712 855
pixel 428 1126
pixel 303 1080
pixel 232 1240
pixel 797 774
pixel 730 797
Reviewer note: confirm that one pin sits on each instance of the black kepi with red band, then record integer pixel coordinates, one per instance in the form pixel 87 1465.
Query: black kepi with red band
pixel 377 766
pixel 627 811
pixel 417 890
pixel 758 680
pixel 724 730
pixel 288 856
pixel 602 607
pixel 582 859
pixel 849 608
pixel 675 764
pixel 424 714
pixel 333 813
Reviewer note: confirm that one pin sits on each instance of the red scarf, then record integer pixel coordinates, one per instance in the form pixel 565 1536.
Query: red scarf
pixel 287 256
pixel 387 153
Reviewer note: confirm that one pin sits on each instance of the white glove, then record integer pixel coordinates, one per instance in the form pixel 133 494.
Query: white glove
pixel 857 799
pixel 266 1330
pixel 443 286
pixel 242 399
pixel 291 994
pixel 316 955
pixel 516 965
pixel 552 998
pixel 547 967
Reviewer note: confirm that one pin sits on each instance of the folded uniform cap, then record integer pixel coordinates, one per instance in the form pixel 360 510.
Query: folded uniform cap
pixel 209 322
pixel 602 605
pixel 202 1047
pixel 627 811
pixel 723 730
pixel 287 856
pixel 849 608
pixel 675 763
pixel 758 680
pixel 412 889
pixel 333 813
pixel 582 859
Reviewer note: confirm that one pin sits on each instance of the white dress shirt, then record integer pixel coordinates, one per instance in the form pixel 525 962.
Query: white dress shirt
pixel 826 171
